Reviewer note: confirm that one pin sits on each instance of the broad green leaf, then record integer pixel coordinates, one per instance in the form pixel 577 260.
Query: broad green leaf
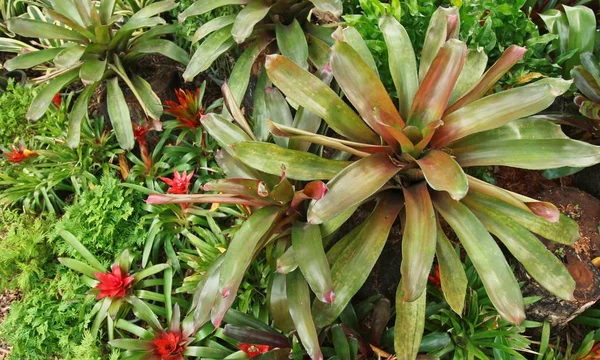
pixel 311 93
pixel 92 71
pixel 67 9
pixel 287 263
pixel 409 326
pixel 304 120
pixel 539 262
pixel 402 60
pixel 215 44
pixel 436 36
pixel 239 254
pixel 495 192
pixel 436 87
pixel 332 6
pixel 535 154
pixel 119 114
pixel 279 112
pixel 352 37
pixel 329 227
pixel 470 75
pixel 106 10
pixel 233 167
pixel 365 91
pixel 444 174
pixel 202 7
pixel 565 231
pixel 43 99
pixel 353 185
pixel 259 111
pixel 43 30
pixel 206 352
pixel 278 303
pixel 164 47
pixel 249 16
pixel 75 244
pixel 211 26
pixel 490 263
pixel 153 9
pixel 354 263
pixel 582 34
pixel 207 292
pixel 318 51
pixel 418 241
pixel 292 43
pixel 249 335
pixel 149 271
pixel 79 266
pixel 298 165
pixel 31 59
pixel 225 132
pixel 143 311
pixel 299 303
pixel 241 73
pixel 77 114
pixel 585 83
pixel 591 64
pixel 131 344
pixel 452 274
pixel 148 98
pixel 308 251
pixel 16 46
pixel 510 57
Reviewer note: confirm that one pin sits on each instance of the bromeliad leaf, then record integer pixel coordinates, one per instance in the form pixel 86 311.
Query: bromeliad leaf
pixel 444 174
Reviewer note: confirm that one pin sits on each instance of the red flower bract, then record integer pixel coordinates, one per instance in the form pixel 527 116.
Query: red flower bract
pixel 168 346
pixel 140 132
pixel 180 182
pixel 435 279
pixel 19 154
pixel 253 350
pixel 113 284
pixel 57 100
pixel 187 109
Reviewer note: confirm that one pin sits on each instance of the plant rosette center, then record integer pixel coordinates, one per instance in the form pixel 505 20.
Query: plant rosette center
pixel 114 284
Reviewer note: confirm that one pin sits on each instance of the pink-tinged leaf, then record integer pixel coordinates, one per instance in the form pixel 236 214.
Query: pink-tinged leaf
pixel 239 254
pixel 278 111
pixel 498 109
pixel 435 90
pixel 544 209
pixel 565 231
pixel 539 262
pixel 234 168
pixel 471 73
pixel 418 241
pixel 234 110
pixel 299 303
pixel 495 192
pixel 410 324
pixel 157 199
pixel 586 83
pixel 509 58
pixel 437 34
pixel 278 303
pixel 311 93
pixel 490 263
pixel 351 147
pixel 353 185
pixel 428 132
pixel 354 262
pixel 287 262
pixel 453 278
pixel 364 90
pixel 444 174
pixel 254 189
pixel 310 255
pixel 403 63
pixel 225 132
pixel 587 108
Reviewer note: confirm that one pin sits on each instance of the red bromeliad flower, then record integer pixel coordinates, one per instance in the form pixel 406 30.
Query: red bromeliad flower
pixel 435 279
pixel 168 346
pixel 253 350
pixel 19 154
pixel 180 182
pixel 140 132
pixel 113 284
pixel 594 354
pixel 57 100
pixel 187 110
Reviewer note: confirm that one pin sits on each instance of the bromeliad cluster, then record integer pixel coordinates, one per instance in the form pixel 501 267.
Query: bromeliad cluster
pixel 409 159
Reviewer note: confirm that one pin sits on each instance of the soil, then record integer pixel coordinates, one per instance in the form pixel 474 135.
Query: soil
pixel 6 298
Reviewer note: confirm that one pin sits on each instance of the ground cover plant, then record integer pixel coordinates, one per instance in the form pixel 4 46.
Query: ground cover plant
pixel 316 180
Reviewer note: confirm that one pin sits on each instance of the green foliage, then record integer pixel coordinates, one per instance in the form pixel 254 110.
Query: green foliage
pixel 46 322
pixel 14 103
pixel 185 30
pixel 24 253
pixel 106 219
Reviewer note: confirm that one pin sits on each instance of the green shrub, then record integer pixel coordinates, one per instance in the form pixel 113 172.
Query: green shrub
pixel 106 220
pixel 24 253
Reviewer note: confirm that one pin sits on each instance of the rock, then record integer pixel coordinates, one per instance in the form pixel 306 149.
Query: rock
pixel 585 209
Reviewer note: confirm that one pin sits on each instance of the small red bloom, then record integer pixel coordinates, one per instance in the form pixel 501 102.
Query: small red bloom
pixel 140 132
pixel 187 109
pixel 19 154
pixel 435 279
pixel 180 182
pixel 113 284
pixel 168 346
pixel 253 350
pixel 57 100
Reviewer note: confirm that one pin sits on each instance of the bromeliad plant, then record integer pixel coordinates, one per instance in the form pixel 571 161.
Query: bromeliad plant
pixel 587 79
pixel 117 290
pixel 412 157
pixel 97 46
